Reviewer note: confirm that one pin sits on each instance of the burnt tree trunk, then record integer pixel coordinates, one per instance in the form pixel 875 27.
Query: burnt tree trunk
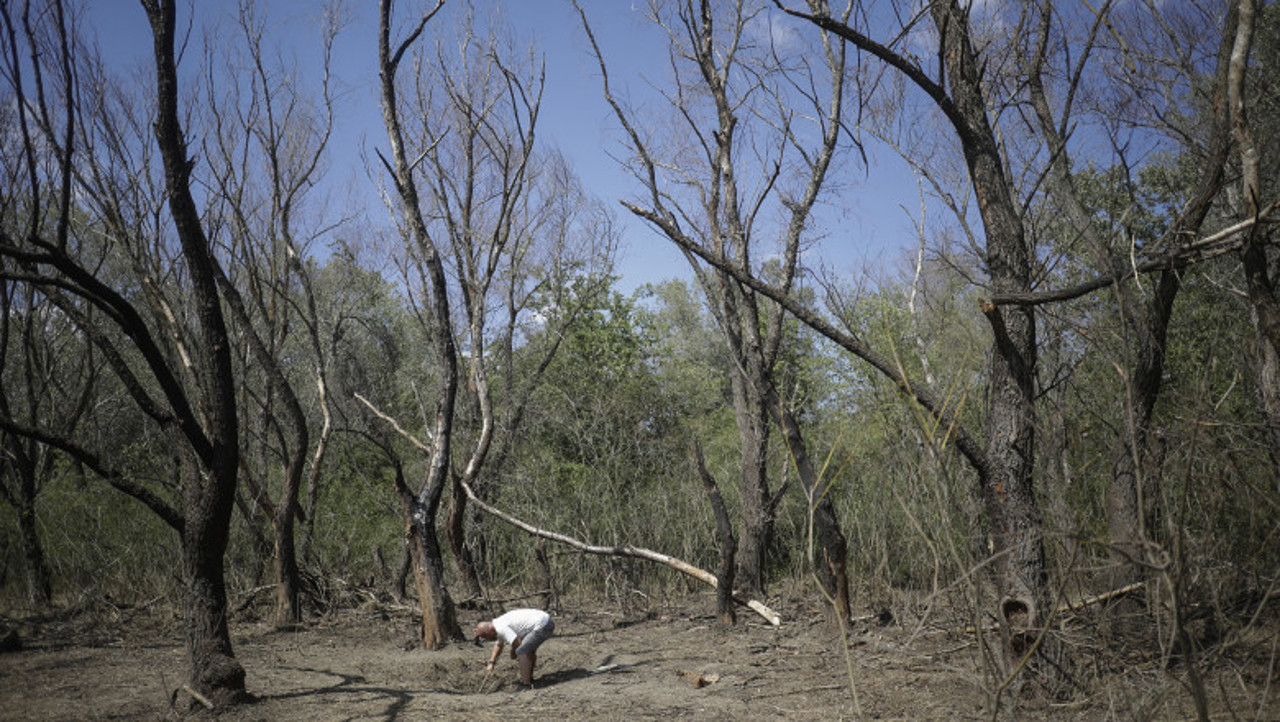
pixel 439 622
pixel 439 618
pixel 1007 490
pixel 209 443
pixel 214 670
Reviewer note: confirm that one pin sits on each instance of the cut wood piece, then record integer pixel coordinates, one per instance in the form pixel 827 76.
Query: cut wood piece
pixel 699 680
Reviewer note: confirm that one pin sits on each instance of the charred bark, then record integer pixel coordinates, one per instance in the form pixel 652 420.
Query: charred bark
pixel 1007 488
pixel 210 450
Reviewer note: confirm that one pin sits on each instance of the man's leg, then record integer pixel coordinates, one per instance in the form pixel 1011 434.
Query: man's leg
pixel 527 661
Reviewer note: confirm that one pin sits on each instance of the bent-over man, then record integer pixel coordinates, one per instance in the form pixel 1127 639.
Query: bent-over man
pixel 525 630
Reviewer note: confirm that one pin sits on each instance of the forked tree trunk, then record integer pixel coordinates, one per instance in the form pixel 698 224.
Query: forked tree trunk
pixel 422 546
pixel 1007 489
pixel 209 444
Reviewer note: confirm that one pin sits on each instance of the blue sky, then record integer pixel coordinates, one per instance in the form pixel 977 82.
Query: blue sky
pixel 865 226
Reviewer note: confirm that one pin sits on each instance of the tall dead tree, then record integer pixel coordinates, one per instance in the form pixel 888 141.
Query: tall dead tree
pixel 172 357
pixel 974 101
pixel 266 149
pixel 439 618
pixel 490 222
pixel 1131 493
pixel 211 451
pixel 762 128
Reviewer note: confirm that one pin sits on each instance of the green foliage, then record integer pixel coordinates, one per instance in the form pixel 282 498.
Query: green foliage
pixel 98 542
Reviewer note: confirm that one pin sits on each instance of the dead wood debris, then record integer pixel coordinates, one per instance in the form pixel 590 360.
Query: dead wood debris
pixel 699 680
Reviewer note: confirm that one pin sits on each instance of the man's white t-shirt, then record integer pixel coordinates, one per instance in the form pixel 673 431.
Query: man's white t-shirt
pixel 520 624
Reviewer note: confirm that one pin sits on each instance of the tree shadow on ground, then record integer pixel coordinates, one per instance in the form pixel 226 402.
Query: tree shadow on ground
pixel 353 684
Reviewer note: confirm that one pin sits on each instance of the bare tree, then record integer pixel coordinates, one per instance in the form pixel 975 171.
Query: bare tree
pixel 439 620
pixel 979 86
pixel 763 127
pixel 49 382
pixel 1132 491
pixel 179 375
pixel 489 223
pixel 266 149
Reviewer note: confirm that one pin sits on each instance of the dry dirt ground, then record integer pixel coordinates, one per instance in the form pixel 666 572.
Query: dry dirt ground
pixel 669 663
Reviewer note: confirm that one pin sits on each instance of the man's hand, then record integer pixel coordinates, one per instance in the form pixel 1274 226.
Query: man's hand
pixel 488 667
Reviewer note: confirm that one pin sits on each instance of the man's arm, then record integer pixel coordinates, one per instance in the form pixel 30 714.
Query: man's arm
pixel 497 652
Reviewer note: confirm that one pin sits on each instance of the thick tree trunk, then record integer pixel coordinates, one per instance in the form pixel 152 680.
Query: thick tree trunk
pixel 211 437
pixel 439 620
pixel 1008 491
pixel 288 578
pixel 757 509
pixel 214 672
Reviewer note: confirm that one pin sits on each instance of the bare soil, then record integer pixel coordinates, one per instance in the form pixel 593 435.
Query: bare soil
pixel 672 663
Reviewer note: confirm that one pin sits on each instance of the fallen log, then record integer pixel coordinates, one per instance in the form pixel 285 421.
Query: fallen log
pixel 623 550
pixel 1100 598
